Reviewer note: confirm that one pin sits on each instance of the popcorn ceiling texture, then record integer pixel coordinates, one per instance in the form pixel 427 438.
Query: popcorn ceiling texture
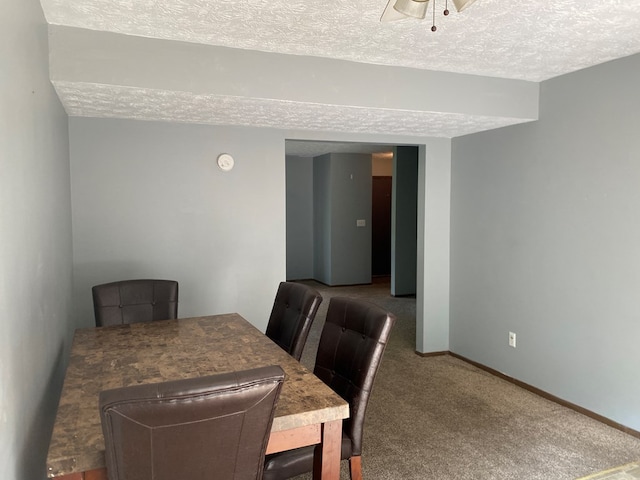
pixel 93 100
pixel 521 40
pixel 530 41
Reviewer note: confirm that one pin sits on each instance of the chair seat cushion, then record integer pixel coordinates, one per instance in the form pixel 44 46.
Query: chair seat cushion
pixel 296 462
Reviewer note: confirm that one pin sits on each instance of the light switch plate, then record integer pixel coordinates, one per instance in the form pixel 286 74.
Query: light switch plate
pixel 361 223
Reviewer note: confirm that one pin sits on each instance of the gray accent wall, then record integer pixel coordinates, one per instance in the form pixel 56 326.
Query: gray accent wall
pixel 545 242
pixel 35 243
pixel 322 219
pixel 404 221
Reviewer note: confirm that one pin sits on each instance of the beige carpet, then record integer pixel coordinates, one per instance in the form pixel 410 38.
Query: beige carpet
pixel 440 418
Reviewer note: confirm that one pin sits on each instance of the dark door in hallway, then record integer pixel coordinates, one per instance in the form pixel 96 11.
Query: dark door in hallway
pixel 381 226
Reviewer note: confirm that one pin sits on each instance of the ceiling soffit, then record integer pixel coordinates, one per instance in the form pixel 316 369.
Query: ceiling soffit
pixel 109 75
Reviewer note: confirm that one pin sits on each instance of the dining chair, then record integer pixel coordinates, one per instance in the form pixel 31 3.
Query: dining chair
pixel 293 311
pixel 351 345
pixel 133 301
pixel 212 427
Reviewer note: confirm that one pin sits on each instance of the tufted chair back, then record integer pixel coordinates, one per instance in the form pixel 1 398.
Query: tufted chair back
pixel 351 345
pixel 293 311
pixel 132 301
pixel 353 340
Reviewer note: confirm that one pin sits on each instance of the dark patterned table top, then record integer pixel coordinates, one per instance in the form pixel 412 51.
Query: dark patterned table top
pixel 111 357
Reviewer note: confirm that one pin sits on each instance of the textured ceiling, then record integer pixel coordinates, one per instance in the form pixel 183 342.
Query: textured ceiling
pixel 510 39
pixel 517 40
pixel 305 148
pixel 151 104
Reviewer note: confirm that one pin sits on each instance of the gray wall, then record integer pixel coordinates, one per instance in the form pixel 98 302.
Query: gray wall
pixel 342 195
pixel 434 207
pixel 35 243
pixel 350 201
pixel 149 201
pixel 299 197
pixel 142 191
pixel 545 242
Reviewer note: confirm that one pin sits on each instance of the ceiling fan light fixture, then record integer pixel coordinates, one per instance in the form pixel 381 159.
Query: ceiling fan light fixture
pixel 390 14
pixel 399 9
pixel 412 8
pixel 462 4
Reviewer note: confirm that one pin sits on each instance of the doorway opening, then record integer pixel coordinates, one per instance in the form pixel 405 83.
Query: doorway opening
pixel 337 236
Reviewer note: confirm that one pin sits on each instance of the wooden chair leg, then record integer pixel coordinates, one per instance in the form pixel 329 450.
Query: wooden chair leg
pixel 355 467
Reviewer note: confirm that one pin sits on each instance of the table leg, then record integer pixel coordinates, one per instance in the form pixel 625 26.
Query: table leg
pixel 326 464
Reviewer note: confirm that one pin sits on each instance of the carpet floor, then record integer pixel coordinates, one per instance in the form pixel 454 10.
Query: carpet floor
pixel 441 418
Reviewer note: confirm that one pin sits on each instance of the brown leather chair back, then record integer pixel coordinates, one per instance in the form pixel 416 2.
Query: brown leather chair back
pixel 209 427
pixel 351 345
pixel 292 314
pixel 132 301
pixel 353 340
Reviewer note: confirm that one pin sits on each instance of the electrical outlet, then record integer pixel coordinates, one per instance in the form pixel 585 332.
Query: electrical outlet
pixel 512 339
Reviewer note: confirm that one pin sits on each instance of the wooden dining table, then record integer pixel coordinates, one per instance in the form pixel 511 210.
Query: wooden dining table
pixel 308 411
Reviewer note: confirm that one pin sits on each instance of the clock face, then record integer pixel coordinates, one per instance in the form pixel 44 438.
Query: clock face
pixel 225 162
